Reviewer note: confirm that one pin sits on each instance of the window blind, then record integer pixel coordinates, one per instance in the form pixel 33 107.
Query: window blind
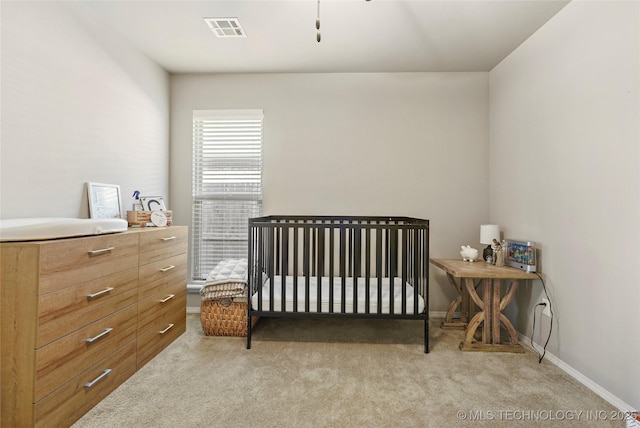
pixel 227 185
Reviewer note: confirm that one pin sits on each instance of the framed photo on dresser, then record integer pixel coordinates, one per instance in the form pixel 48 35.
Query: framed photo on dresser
pixel 153 203
pixel 105 200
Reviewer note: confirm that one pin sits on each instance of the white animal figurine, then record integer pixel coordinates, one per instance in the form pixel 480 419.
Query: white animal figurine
pixel 468 253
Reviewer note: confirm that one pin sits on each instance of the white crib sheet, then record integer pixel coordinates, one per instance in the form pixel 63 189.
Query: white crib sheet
pixel 34 229
pixel 337 297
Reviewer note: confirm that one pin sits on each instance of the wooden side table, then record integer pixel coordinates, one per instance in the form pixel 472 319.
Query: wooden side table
pixel 491 304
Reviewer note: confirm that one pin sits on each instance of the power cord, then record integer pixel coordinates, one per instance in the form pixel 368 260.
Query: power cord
pixel 544 349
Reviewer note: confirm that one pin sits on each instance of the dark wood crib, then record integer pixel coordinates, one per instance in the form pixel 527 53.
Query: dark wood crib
pixel 325 266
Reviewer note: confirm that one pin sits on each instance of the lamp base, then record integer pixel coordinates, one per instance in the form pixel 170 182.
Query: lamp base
pixel 487 253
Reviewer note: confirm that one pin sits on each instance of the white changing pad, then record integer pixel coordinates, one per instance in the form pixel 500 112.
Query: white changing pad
pixel 337 296
pixel 34 229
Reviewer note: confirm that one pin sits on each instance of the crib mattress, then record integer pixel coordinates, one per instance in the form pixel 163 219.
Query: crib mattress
pixel 35 229
pixel 385 297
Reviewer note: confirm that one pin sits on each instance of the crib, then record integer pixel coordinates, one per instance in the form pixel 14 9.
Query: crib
pixel 327 266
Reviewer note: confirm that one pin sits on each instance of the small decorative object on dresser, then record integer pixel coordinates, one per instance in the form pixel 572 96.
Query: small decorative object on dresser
pixel 158 218
pixel 153 203
pixel 146 218
pixel 104 200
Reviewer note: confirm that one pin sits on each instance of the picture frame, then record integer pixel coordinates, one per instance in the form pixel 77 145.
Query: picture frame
pixel 105 200
pixel 521 255
pixel 153 203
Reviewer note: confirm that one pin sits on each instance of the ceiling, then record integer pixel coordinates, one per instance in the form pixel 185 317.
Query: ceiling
pixel 357 35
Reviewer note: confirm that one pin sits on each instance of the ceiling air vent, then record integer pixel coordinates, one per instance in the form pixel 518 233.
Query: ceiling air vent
pixel 225 27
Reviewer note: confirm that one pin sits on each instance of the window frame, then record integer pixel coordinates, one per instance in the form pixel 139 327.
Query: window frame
pixel 229 195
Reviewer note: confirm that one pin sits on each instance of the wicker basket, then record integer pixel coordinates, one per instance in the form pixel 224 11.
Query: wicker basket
pixel 224 317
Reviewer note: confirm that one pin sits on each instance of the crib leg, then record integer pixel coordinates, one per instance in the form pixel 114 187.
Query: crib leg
pixel 426 336
pixel 249 331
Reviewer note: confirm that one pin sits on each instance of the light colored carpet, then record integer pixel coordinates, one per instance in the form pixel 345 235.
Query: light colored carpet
pixel 340 372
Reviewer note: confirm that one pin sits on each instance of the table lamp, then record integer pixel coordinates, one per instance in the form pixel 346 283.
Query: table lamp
pixel 489 232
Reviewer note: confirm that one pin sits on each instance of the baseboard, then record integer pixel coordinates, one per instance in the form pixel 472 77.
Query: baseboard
pixel 440 314
pixel 606 395
pixel 193 288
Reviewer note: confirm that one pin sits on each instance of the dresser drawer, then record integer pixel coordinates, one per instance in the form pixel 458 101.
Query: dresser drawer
pixel 159 243
pixel 72 261
pixel 69 356
pixel 157 306
pixel 69 309
pixel 69 402
pixel 158 275
pixel 161 333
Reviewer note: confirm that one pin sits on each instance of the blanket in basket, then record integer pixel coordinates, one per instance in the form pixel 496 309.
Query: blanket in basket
pixel 227 280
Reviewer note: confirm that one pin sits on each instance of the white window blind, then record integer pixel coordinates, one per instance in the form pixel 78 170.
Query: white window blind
pixel 227 185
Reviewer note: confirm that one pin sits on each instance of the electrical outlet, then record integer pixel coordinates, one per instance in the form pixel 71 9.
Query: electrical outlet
pixel 547 309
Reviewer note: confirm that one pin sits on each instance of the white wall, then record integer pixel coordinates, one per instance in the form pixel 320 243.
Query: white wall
pixel 78 104
pixel 565 157
pixel 412 144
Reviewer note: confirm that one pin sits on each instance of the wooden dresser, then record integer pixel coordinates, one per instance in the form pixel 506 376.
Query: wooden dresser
pixel 81 315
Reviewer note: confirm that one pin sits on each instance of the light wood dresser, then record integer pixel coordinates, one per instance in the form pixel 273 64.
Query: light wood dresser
pixel 81 315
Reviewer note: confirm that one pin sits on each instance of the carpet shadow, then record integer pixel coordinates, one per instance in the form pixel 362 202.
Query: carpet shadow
pixel 340 330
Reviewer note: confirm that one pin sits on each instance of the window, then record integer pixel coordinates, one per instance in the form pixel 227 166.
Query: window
pixel 227 185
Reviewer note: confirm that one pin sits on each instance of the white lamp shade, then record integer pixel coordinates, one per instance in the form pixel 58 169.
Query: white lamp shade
pixel 489 232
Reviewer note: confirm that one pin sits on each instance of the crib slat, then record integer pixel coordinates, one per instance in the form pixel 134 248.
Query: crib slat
pixel 367 269
pixel 320 270
pixel 332 273
pixel 393 251
pixel 277 231
pixel 271 270
pixel 403 271
pixel 416 269
pixel 314 232
pixel 350 252
pixel 260 265
pixel 356 266
pixel 295 269
pixel 343 270
pixel 285 267
pixel 305 267
pixel 379 273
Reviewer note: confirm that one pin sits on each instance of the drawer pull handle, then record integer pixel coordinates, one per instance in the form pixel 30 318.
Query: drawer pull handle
pixel 99 293
pixel 169 238
pixel 169 327
pixel 168 268
pixel 93 382
pixel 104 333
pixel 166 299
pixel 101 251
